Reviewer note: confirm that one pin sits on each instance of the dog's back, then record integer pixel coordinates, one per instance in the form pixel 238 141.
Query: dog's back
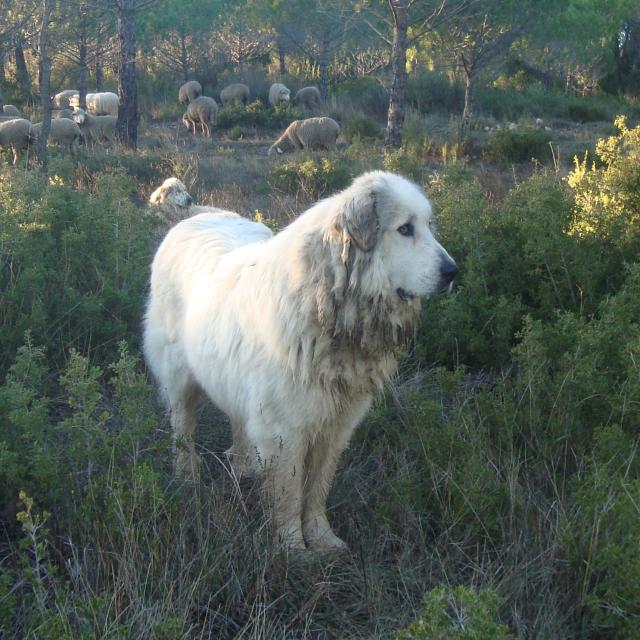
pixel 190 253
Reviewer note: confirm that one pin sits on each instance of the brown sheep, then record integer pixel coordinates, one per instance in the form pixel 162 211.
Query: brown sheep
pixel 312 133
pixel 189 91
pixel 202 111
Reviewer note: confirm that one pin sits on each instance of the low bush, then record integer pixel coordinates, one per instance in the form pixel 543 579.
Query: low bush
pixel 361 126
pixel 310 177
pixel 75 264
pixel 518 145
pixel 256 115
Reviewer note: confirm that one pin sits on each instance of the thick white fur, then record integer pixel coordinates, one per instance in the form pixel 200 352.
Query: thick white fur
pixel 291 335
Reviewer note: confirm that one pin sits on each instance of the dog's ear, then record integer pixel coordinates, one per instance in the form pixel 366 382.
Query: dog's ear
pixel 359 218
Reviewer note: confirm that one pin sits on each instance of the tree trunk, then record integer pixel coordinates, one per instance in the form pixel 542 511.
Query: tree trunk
pixel 184 58
pixel 3 77
pixel 395 115
pixel 323 64
pixel 127 129
pixel 281 56
pixel 83 71
pixel 44 72
pixel 99 73
pixel 22 73
pixel 468 96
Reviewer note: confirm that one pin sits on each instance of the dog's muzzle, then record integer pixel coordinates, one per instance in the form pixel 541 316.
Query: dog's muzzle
pixel 448 271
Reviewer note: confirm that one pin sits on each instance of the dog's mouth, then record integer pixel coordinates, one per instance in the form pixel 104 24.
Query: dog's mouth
pixel 405 296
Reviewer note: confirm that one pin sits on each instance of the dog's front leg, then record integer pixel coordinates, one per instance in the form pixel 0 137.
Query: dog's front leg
pixel 283 485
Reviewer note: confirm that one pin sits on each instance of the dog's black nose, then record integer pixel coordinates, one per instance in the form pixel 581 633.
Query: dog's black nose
pixel 448 271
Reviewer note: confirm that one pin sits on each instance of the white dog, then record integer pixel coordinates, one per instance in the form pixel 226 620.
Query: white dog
pixel 291 335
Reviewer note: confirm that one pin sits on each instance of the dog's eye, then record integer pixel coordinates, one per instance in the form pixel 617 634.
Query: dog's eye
pixel 406 229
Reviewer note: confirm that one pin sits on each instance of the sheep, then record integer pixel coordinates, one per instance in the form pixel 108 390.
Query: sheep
pixel 96 128
pixel 65 133
pixel 171 202
pixel 62 113
pixel 312 133
pixel 189 91
pixel 10 110
pixel 61 100
pixel 104 103
pixel 16 134
pixel 202 111
pixel 235 92
pixel 308 97
pixel 278 94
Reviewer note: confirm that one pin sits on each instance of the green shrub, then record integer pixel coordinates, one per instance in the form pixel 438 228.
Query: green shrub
pixel 256 115
pixel 518 145
pixel 430 91
pixel 310 177
pixel 585 110
pixel 361 126
pixel 76 264
pixel 457 613
pixel 364 94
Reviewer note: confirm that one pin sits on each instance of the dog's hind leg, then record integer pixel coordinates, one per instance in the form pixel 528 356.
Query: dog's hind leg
pixel 182 408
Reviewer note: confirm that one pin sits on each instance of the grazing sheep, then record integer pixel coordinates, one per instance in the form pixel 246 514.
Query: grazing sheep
pixel 104 103
pixel 65 133
pixel 312 133
pixel 16 134
pixel 10 110
pixel 308 97
pixel 278 94
pixel 189 91
pixel 202 111
pixel 96 128
pixel 61 100
pixel 235 93
pixel 56 114
pixel 171 202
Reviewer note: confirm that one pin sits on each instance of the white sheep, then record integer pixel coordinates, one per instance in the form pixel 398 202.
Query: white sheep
pixel 312 133
pixel 202 111
pixel 64 132
pixel 308 97
pixel 189 91
pixel 235 93
pixel 10 110
pixel 104 103
pixel 16 134
pixel 278 94
pixel 96 128
pixel 61 100
pixel 171 202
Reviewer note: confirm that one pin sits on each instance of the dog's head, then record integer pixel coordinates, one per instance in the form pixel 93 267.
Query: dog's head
pixel 390 220
pixel 171 192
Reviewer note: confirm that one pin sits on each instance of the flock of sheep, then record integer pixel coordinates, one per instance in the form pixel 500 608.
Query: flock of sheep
pixel 310 133
pixel 71 125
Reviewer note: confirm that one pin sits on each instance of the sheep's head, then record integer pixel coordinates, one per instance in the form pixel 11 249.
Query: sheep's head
pixel 284 95
pixel 171 192
pixel 79 116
